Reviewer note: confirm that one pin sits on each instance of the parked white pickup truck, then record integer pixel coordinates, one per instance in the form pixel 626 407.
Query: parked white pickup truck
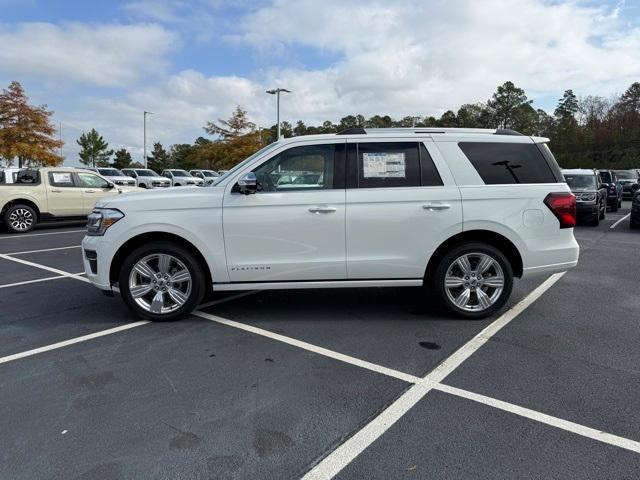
pixel 50 194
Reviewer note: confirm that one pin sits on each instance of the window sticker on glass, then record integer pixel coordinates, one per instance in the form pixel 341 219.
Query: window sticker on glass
pixel 383 165
pixel 61 178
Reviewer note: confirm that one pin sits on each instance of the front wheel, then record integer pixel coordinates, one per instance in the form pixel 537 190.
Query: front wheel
pixel 161 281
pixel 20 218
pixel 473 280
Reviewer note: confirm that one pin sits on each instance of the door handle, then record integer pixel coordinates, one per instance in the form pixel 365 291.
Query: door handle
pixel 55 190
pixel 318 210
pixel 89 191
pixel 436 206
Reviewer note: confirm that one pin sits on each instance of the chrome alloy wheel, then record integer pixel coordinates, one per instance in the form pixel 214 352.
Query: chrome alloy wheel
pixel 21 219
pixel 474 282
pixel 160 283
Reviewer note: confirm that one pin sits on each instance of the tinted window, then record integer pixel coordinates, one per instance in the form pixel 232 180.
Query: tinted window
pixel 428 171
pixel 578 182
pixel 605 177
pixel 309 167
pixel 382 165
pixel 61 179
pixel 626 174
pixel 505 163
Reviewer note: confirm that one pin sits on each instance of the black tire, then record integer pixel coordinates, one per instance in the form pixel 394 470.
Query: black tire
pixel 437 281
pixel 142 185
pixel 596 220
pixel 20 218
pixel 614 207
pixel 176 184
pixel 198 280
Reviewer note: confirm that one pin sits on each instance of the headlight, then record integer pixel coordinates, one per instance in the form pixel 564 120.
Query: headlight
pixel 101 219
pixel 588 197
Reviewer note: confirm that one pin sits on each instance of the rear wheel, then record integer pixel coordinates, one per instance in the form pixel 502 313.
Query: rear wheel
pixel 20 218
pixel 614 207
pixel 473 280
pixel 161 281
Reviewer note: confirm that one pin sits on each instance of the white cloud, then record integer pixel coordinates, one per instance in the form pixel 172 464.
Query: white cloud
pixel 406 57
pixel 102 54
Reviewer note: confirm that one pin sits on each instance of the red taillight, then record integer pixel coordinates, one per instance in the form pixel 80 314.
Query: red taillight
pixel 563 206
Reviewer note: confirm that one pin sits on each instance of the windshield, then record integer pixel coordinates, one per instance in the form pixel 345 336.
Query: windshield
pixel 180 173
pixel 627 175
pixel 580 181
pixel 206 173
pixel 146 173
pixel 110 172
pixel 241 165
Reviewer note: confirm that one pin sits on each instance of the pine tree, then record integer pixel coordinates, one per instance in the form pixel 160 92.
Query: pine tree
pixel 159 159
pixel 506 104
pixel 122 159
pixel 26 132
pixel 95 150
pixel 567 106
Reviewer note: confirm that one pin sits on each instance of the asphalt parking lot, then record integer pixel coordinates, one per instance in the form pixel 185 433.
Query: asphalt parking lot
pixel 363 383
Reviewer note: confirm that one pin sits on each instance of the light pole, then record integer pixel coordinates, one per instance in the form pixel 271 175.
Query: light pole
pixel 276 92
pixel 144 127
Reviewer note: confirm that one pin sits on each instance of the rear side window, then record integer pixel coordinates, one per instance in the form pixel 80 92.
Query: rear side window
pixel 605 177
pixel 507 163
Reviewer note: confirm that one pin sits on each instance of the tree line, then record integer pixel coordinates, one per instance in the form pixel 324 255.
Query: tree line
pixel 590 131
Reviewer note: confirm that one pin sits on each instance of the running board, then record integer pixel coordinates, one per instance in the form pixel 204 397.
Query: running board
pixel 221 287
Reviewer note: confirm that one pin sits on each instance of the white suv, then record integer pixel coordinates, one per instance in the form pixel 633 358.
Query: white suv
pixel 460 212
pixel 147 178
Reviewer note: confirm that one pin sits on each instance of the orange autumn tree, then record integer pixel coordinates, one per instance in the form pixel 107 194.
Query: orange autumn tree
pixel 26 132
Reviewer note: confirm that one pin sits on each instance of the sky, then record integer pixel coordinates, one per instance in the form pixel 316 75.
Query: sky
pixel 100 64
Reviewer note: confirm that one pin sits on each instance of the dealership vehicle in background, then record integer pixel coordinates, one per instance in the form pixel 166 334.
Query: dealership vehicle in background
pixel 630 182
pixel 146 178
pixel 114 175
pixel 634 217
pixel 208 176
pixel 591 195
pixel 386 209
pixel 614 189
pixel 181 178
pixel 54 193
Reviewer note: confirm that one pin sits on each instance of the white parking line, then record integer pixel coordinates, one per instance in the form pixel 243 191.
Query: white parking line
pixel 333 463
pixel 621 220
pixel 576 428
pixel 40 234
pixel 65 343
pixel 312 348
pixel 44 267
pixel 43 250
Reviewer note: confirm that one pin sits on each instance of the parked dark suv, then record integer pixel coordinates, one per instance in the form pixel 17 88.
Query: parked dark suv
pixel 591 195
pixel 629 180
pixel 613 185
pixel 634 219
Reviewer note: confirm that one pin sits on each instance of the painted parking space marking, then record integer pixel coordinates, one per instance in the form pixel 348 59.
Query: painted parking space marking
pixel 41 234
pixel 38 280
pixel 309 347
pixel 44 250
pixel 344 454
pixel 44 267
pixel 619 221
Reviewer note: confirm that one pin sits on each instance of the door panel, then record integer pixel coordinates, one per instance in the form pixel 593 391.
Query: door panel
pixel 63 195
pixel 393 231
pixel 293 227
pixel 94 188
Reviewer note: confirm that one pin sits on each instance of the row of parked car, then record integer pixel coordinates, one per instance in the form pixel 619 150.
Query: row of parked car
pixel 595 190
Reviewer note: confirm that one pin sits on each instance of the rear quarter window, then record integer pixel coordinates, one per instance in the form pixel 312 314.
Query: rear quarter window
pixel 508 163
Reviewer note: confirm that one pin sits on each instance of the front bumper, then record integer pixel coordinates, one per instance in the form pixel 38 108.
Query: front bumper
pixel 95 254
pixel 586 210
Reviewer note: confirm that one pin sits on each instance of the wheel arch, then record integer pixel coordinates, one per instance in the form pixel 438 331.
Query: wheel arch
pixel 497 240
pixel 21 201
pixel 147 237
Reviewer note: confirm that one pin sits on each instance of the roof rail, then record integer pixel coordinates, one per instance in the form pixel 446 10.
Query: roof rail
pixel 427 130
pixel 507 131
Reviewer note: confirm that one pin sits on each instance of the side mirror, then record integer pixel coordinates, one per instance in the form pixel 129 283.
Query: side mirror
pixel 111 185
pixel 248 183
pixel 605 185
